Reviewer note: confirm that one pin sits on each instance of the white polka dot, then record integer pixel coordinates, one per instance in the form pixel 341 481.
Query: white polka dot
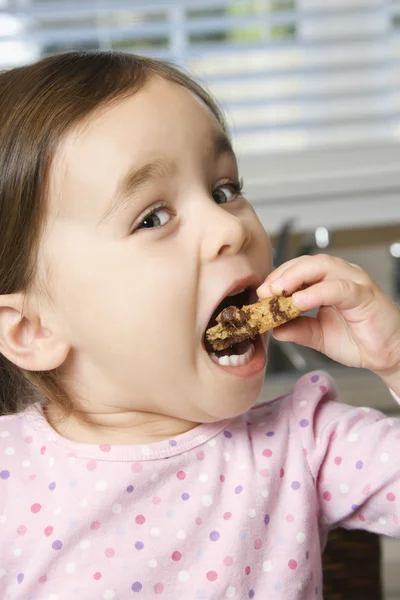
pixel 230 592
pixel 243 466
pixel 183 576
pixel 53 597
pixel 58 510
pixel 300 537
pixel 344 488
pixel 26 463
pixel 211 443
pixel 181 535
pixel 390 422
pixel 70 567
pixel 146 451
pixel 303 403
pixel 384 457
pixel 9 451
pixel 108 595
pixel 251 513
pixel 201 439
pixel 203 478
pixel 353 437
pixel 317 440
pixel 365 409
pixel 84 544
pixel 72 460
pixel 101 485
pixel 17 552
pixel 83 503
pixel 382 521
pixel 2 573
pixel 261 424
pixel 264 493
pixel 155 532
pixel 206 500
pixel 52 460
pixel 155 477
pixel 116 509
pixel 267 566
pixel 300 586
pixel 226 456
pixel 4 434
pixel 153 563
pixel 3 519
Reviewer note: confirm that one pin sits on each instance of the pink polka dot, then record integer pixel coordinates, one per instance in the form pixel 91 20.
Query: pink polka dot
pixel 264 472
pixel 327 496
pixel 247 570
pixel 198 521
pixel 338 460
pixel 35 508
pixel 390 496
pixel 227 516
pixel 292 564
pixel 91 465
pixel 366 489
pixel 42 449
pixel 105 447
pixel 281 473
pixel 158 588
pixel 28 439
pixel 32 477
pixel 200 455
pixel 258 544
pixel 395 519
pixel 42 579
pixel 289 518
pixel 95 525
pixel 305 451
pixel 222 478
pixel 97 576
pixel 212 575
pixel 48 530
pixel 140 519
pixel 176 556
pixel 109 552
pixel 397 436
pixel 181 475
pixel 22 530
pixel 267 452
pixel 228 561
pixel 156 500
pixel 361 517
pixel 136 467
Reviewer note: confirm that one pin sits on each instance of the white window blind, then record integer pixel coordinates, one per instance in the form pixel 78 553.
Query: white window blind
pixel 291 74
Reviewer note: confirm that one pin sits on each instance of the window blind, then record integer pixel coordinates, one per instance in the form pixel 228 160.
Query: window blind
pixel 291 74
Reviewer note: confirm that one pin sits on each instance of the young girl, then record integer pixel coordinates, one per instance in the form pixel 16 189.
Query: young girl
pixel 133 462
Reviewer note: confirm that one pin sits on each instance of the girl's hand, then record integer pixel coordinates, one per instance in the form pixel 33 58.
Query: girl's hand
pixel 357 323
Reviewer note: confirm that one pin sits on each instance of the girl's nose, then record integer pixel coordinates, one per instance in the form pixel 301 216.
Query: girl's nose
pixel 223 233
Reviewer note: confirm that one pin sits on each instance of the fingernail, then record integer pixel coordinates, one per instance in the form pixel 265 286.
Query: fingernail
pixel 276 287
pixel 300 300
pixel 264 291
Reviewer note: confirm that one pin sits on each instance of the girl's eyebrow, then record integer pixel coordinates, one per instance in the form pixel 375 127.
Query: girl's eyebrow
pixel 137 177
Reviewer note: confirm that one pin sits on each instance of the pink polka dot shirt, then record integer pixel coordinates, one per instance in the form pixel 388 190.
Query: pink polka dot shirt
pixel 236 509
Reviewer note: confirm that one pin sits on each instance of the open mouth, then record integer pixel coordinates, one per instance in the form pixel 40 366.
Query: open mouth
pixel 242 352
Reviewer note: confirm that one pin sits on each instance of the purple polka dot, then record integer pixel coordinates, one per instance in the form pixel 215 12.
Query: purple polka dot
pixel 307 555
pixel 304 423
pixel 214 536
pixel 251 594
pixel 227 434
pixel 238 489
pixel 56 545
pixel 185 496
pixel 295 485
pixel 315 378
pixel 20 577
pixel 4 474
pixel 52 485
pixel 269 434
pixel 355 507
pixel 130 489
pixel 137 586
pixel 359 464
pixel 139 545
pixel 172 442
pixel 266 519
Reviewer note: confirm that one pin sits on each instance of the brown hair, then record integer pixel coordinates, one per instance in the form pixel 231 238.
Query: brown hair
pixel 39 104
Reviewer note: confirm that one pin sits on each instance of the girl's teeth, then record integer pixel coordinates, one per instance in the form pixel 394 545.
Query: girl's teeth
pixel 237 292
pixel 234 360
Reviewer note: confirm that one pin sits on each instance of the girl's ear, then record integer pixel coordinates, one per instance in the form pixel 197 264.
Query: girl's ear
pixel 23 339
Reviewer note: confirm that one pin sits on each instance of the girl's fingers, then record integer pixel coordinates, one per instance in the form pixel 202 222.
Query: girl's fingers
pixel 309 270
pixel 344 294
pixel 304 331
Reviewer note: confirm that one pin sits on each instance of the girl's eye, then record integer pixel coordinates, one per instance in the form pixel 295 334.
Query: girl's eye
pixel 157 217
pixel 227 193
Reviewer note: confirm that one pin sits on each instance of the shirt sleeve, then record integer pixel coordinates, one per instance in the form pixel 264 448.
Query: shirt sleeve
pixel 354 457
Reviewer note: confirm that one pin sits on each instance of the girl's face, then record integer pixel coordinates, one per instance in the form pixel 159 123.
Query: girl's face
pixel 146 235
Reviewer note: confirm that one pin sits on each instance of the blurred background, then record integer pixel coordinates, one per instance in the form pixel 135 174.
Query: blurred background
pixel 311 89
